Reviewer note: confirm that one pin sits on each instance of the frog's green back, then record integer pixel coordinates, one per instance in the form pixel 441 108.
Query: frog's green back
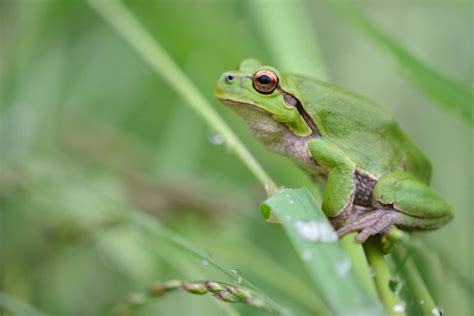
pixel 368 134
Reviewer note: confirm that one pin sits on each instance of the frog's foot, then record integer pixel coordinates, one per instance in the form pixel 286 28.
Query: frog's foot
pixel 372 223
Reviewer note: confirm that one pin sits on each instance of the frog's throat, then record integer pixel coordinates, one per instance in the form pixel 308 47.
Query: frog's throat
pixel 291 100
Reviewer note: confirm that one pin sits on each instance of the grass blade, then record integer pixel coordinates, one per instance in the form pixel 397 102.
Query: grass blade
pixel 149 48
pixel 316 243
pixel 449 93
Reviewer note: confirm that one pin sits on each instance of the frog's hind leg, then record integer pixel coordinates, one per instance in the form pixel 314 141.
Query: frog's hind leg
pixel 371 223
pixel 402 200
pixel 379 221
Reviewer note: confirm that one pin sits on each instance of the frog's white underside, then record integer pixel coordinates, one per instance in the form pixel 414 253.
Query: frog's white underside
pixel 276 136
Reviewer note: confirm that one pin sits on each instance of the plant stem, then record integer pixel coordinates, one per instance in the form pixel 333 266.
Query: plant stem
pixel 151 50
pixel 382 277
pixel 359 260
pixel 417 286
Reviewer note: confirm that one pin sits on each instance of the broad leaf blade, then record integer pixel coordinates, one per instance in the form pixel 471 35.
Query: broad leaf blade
pixel 316 244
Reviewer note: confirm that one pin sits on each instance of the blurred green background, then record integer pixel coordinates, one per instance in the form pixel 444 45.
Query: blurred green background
pixel 87 127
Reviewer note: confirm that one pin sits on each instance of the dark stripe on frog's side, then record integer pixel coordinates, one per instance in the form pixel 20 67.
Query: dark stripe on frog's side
pixel 291 100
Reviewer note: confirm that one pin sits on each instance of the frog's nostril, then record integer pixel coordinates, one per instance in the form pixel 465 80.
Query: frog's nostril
pixel 229 77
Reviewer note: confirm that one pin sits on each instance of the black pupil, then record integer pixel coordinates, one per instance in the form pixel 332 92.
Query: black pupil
pixel 264 79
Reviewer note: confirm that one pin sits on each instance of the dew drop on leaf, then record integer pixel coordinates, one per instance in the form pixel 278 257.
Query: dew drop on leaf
pixel 235 271
pixel 216 139
pixel 371 272
pixel 307 255
pixel 314 231
pixel 399 308
pixel 343 267
pixel 437 311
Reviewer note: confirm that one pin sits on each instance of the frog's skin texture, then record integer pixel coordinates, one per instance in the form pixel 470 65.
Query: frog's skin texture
pixel 376 178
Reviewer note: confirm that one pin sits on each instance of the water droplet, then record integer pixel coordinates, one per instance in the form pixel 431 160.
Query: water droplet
pixel 396 284
pixel 291 201
pixel 235 271
pixel 307 255
pixel 205 262
pixel 269 187
pixel 239 280
pixel 314 231
pixel 371 272
pixel 437 311
pixel 287 195
pixel 216 139
pixel 343 267
pixel 422 302
pixel 399 308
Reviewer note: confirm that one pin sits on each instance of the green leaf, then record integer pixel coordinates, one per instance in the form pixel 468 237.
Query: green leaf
pixel 317 245
pixel 449 93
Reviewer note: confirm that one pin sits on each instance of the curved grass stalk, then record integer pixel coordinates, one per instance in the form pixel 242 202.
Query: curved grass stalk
pixel 382 277
pixel 141 40
pixel 449 93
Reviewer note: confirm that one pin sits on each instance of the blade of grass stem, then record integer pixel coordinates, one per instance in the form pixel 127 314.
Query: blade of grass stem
pixel 326 261
pixel 416 284
pixel 150 49
pixel 449 93
pixel 382 277
pixel 418 288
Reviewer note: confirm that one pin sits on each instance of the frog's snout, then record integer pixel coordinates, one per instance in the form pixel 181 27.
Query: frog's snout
pixel 226 83
pixel 228 77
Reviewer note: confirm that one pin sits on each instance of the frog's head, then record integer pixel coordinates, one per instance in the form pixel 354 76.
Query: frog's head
pixel 257 89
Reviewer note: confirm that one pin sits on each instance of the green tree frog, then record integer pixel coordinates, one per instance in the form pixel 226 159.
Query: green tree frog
pixel 376 178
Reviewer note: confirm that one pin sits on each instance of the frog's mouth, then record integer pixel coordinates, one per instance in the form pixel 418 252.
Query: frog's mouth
pixel 231 102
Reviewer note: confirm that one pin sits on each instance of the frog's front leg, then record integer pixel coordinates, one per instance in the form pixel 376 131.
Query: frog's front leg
pixel 340 186
pixel 401 200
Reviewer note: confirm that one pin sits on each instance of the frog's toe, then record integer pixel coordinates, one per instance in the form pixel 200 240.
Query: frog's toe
pixel 372 223
pixel 381 226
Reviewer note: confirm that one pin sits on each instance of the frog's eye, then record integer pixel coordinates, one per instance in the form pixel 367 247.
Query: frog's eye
pixel 265 81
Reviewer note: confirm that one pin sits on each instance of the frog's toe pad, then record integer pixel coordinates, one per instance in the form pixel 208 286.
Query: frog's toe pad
pixel 372 223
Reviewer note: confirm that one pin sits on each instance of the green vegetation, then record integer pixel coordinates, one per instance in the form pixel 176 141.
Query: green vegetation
pixel 110 184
